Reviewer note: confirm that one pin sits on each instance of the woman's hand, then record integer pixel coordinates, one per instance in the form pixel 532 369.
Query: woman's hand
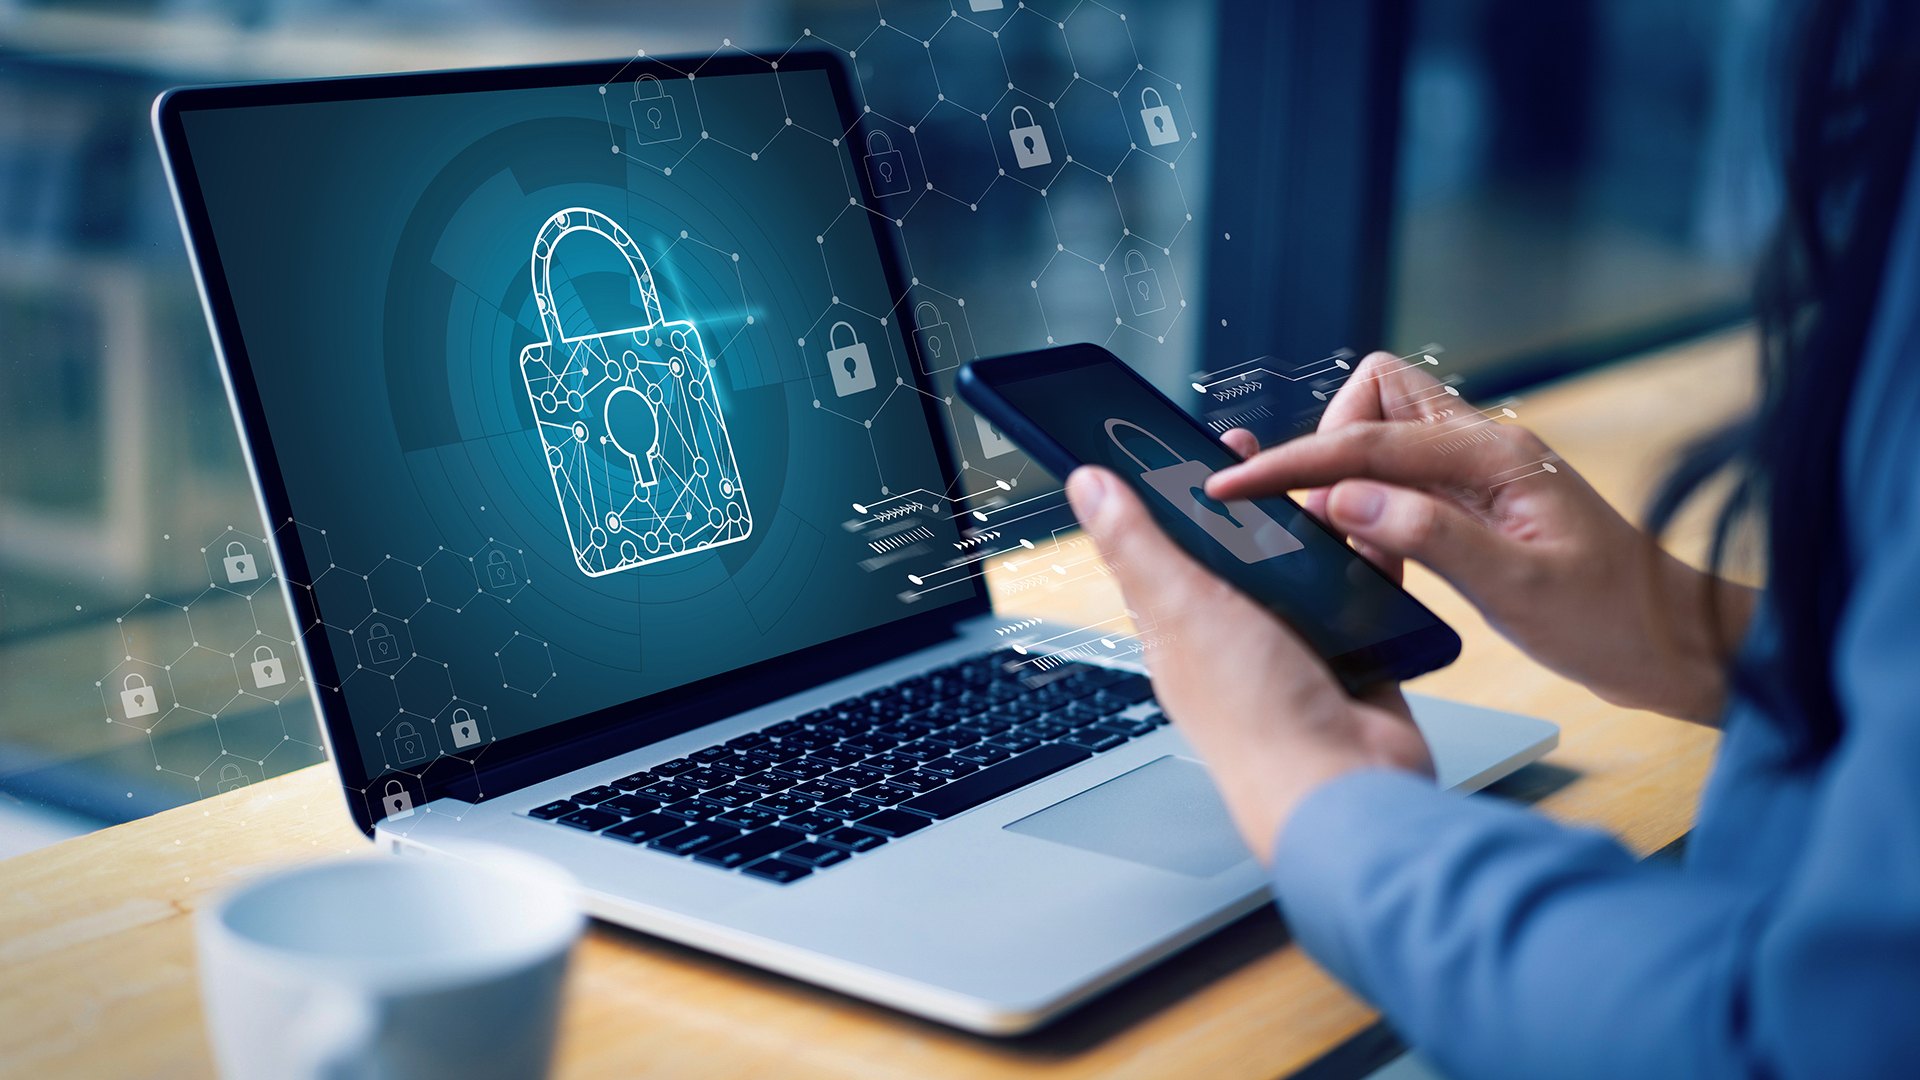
pixel 1406 469
pixel 1260 708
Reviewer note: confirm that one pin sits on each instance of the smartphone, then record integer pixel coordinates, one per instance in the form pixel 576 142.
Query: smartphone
pixel 1081 405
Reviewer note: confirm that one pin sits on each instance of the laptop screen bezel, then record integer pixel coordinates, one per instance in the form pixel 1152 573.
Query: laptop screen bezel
pixel 517 761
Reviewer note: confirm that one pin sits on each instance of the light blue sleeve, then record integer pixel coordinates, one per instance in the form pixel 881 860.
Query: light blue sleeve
pixel 1503 944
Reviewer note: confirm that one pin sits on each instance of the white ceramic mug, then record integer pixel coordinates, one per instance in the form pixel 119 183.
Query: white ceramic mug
pixel 388 966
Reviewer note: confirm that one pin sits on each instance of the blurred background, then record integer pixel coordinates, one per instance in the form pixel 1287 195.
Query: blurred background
pixel 1539 187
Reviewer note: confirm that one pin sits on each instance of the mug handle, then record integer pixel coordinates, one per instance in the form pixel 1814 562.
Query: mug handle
pixel 336 1041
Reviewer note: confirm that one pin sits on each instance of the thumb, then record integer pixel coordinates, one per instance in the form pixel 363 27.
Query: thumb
pixel 1157 577
pixel 1409 524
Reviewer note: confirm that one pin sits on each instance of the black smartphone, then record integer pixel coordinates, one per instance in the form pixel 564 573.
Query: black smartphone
pixel 1081 405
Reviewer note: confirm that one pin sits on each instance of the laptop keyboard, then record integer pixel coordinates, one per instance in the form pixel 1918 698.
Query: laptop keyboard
pixel 810 793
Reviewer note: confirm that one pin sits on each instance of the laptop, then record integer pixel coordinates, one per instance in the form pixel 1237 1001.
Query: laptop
pixel 619 513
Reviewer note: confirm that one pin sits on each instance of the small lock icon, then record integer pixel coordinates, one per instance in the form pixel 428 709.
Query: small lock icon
pixel 850 364
pixel 408 747
pixel 267 670
pixel 465 729
pixel 397 801
pixel 1029 139
pixel 231 777
pixel 993 443
pixel 656 119
pixel 500 573
pixel 138 700
pixel 382 646
pixel 239 564
pixel 1235 524
pixel 1158 118
pixel 886 169
pixel 1142 285
pixel 935 338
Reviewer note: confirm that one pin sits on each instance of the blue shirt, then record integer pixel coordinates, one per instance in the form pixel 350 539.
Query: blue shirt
pixel 1500 943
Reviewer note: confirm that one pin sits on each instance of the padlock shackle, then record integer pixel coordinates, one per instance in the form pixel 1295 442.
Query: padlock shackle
pixel 1158 101
pixel 1015 120
pixel 659 88
pixel 937 317
pixel 832 344
pixel 127 683
pixel 231 544
pixel 1132 254
pixel 1116 422
pixel 877 134
pixel 583 219
pixel 258 649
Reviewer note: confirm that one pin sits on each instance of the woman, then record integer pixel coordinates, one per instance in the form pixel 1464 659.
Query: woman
pixel 1498 942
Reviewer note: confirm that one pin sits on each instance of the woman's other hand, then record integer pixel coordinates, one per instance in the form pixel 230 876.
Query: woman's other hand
pixel 1260 708
pixel 1407 470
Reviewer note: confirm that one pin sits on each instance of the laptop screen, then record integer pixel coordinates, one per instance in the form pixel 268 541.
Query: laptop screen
pixel 578 394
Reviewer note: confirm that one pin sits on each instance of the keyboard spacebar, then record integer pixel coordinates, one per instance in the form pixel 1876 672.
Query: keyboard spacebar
pixel 970 791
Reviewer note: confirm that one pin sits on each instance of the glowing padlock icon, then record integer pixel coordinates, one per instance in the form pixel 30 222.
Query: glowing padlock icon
pixel 408 747
pixel 886 169
pixel 464 729
pixel 1029 140
pixel 1235 524
pixel 397 801
pixel 1143 285
pixel 1158 118
pixel 934 336
pixel 239 563
pixel 655 117
pixel 500 573
pixel 267 670
pixel 138 700
pixel 382 646
pixel 231 778
pixel 850 364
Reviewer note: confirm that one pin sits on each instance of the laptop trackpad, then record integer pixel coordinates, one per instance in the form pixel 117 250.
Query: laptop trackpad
pixel 1164 813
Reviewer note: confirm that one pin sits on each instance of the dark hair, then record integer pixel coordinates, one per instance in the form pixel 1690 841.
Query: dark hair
pixel 1853 103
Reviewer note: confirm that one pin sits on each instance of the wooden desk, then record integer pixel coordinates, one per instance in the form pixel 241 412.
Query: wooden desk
pixel 96 944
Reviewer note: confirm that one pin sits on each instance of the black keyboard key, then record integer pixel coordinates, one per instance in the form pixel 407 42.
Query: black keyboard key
pixel 851 806
pixel 747 817
pixel 754 845
pixel 778 871
pixel 765 782
pixel 630 805
pixel 917 782
pixel 807 740
pixel 711 754
pixel 590 819
pixel 671 791
pixel 777 752
pixel 889 763
pixel 815 855
pixel 675 767
pixel 755 761
pixel 636 781
pixel 982 755
pixel 1013 742
pixel 694 838
pixel 553 809
pixel 732 795
pixel 814 821
pixel 920 751
pixel 835 758
pixel 1132 689
pixel 894 823
pixel 854 840
pixel 644 828
pixel 693 809
pixel 1093 739
pixel 951 768
pixel 802 768
pixel 710 776
pixel 821 790
pixel 1044 729
pixel 748 741
pixel 987 784
pixel 953 738
pixel 595 795
pixel 884 794
pixel 1127 726
pixel 784 727
pixel 985 726
pixel 870 743
pixel 785 802
pixel 857 776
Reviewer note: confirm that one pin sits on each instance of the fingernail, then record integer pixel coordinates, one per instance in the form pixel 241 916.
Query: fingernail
pixel 1360 504
pixel 1087 491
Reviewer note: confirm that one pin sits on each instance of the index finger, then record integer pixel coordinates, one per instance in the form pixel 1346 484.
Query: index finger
pixel 1379 389
pixel 1398 452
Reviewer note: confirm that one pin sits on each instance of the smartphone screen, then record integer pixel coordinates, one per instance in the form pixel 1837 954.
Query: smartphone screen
pixel 1082 405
